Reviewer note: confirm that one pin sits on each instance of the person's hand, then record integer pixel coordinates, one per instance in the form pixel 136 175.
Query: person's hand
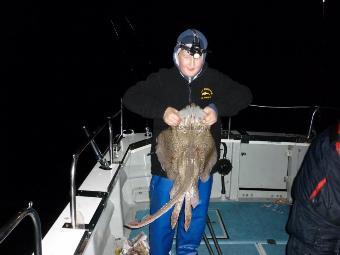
pixel 210 117
pixel 171 117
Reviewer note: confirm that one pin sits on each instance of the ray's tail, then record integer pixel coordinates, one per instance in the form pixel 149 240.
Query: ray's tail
pixel 178 197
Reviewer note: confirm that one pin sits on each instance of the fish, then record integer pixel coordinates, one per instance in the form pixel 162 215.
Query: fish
pixel 186 153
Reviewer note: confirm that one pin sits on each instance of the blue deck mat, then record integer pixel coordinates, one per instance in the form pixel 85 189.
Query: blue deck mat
pixel 233 249
pixel 246 223
pixel 254 221
pixel 276 249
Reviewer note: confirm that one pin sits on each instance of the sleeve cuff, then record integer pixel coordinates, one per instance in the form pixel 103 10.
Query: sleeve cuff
pixel 213 106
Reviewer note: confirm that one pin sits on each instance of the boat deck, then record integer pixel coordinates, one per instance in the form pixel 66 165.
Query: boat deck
pixel 242 228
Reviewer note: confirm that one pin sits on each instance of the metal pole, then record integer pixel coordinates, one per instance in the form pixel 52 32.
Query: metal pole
pixel 229 127
pixel 208 244
pixel 12 224
pixel 121 116
pixel 94 146
pixel 73 206
pixel 111 141
pixel 212 232
pixel 37 230
pixel 312 121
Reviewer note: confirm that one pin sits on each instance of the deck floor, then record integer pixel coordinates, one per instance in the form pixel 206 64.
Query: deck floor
pixel 242 228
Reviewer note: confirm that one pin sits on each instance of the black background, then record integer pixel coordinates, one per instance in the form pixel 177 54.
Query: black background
pixel 67 64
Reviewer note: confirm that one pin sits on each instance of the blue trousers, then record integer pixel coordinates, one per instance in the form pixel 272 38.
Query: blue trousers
pixel 160 232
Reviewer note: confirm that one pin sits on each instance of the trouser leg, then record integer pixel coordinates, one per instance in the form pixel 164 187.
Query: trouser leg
pixel 160 232
pixel 187 242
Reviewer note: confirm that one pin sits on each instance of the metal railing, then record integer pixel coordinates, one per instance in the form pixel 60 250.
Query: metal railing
pixel 316 109
pixel 6 230
pixel 311 122
pixel 75 157
pixel 213 236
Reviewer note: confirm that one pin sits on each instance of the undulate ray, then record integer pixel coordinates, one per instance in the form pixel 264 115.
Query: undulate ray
pixel 186 153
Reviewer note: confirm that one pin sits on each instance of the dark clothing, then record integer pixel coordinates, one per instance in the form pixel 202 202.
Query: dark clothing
pixel 168 88
pixel 296 247
pixel 315 215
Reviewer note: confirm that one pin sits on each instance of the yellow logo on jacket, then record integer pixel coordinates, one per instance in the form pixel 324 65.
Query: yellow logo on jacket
pixel 206 93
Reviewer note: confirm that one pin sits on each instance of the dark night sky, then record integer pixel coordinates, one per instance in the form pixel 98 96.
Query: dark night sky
pixel 68 64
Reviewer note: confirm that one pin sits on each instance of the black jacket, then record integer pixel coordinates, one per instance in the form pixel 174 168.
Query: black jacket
pixel 168 87
pixel 315 214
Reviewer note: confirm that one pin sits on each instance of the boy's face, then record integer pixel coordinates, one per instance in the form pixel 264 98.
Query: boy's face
pixel 188 65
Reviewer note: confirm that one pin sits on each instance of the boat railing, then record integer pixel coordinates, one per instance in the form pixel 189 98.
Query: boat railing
pixel 313 109
pixel 7 229
pixel 316 109
pixel 113 145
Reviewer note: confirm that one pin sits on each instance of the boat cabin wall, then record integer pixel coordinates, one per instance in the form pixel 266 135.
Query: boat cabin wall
pixel 260 170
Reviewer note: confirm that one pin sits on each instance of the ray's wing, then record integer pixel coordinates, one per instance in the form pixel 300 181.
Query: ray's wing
pixel 207 154
pixel 168 152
